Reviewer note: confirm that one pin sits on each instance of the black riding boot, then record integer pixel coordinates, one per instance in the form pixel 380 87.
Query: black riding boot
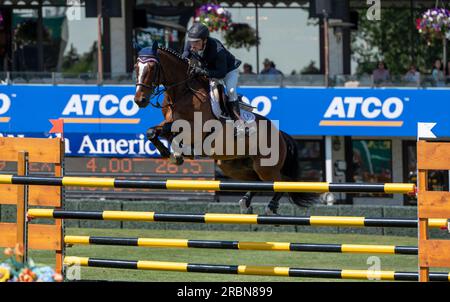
pixel 235 110
pixel 235 114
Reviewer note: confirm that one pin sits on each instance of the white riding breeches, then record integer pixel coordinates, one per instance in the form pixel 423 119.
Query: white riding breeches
pixel 231 81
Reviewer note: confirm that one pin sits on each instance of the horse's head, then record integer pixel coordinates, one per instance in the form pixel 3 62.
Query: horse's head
pixel 148 79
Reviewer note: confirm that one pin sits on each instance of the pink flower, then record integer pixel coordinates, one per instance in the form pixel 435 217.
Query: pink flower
pixel 9 252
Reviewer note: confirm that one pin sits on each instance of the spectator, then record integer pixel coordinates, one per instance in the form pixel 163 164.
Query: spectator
pixel 266 68
pixel 381 74
pixel 437 74
pixel 248 69
pixel 412 76
pixel 269 68
pixel 273 66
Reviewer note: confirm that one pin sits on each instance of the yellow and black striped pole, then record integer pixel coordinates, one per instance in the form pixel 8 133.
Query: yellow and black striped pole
pixel 212 185
pixel 252 270
pixel 348 221
pixel 241 245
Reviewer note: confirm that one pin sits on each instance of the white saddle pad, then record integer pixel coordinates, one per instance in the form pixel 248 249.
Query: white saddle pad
pixel 247 116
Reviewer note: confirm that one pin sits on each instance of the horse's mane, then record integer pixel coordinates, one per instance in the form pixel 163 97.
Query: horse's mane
pixel 178 56
pixel 174 53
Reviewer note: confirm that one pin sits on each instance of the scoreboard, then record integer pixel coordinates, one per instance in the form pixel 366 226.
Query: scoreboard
pixel 130 168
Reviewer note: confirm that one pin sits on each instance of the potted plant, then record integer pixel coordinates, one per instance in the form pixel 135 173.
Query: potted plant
pixel 434 24
pixel 214 16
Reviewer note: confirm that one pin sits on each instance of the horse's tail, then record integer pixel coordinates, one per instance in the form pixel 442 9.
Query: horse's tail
pixel 290 171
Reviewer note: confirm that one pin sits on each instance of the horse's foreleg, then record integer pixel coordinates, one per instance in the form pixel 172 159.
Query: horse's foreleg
pixel 245 203
pixel 153 134
pixel 165 130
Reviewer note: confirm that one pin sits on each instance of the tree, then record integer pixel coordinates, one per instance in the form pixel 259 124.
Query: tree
pixel 71 58
pixel 74 63
pixel 394 40
pixel 241 35
pixel 310 68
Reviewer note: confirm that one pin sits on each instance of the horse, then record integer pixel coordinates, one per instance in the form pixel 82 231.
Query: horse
pixel 186 96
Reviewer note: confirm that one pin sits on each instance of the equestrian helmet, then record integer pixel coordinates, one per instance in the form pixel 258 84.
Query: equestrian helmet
pixel 198 32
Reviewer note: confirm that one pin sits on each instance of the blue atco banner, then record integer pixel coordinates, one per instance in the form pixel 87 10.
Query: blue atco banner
pixel 108 112
pixel 354 112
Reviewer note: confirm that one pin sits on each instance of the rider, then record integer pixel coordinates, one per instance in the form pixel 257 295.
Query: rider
pixel 219 63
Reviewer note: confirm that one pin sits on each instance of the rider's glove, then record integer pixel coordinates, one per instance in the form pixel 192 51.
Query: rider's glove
pixel 198 71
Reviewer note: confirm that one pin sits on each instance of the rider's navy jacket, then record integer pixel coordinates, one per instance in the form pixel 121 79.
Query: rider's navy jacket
pixel 216 58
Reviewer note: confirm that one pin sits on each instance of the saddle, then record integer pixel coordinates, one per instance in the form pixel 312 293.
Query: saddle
pixel 219 93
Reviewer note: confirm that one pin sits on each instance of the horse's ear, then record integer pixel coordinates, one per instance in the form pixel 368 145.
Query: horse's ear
pixel 155 47
pixel 137 47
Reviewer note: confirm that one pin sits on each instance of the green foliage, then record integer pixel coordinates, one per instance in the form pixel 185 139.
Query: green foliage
pixel 75 63
pixel 395 40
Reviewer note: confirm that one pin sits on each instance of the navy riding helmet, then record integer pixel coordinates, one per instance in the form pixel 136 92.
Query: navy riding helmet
pixel 198 32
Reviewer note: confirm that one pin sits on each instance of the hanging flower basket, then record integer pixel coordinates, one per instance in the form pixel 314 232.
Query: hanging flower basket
pixel 434 24
pixel 214 16
pixel 241 35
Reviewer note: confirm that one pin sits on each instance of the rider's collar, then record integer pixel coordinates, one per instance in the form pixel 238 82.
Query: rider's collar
pixel 200 52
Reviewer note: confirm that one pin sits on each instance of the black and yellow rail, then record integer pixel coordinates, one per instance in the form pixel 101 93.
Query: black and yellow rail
pixel 241 245
pixel 252 270
pixel 347 221
pixel 212 185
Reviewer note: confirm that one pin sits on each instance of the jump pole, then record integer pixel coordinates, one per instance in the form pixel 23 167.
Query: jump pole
pixel 252 269
pixel 347 221
pixel 211 185
pixel 241 245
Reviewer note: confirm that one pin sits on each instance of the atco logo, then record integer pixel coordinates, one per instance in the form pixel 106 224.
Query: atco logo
pixel 369 108
pixel 5 103
pixel 262 104
pixel 108 105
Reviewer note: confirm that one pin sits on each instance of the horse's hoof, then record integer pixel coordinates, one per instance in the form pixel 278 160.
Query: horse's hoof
pixel 246 208
pixel 249 210
pixel 270 212
pixel 176 159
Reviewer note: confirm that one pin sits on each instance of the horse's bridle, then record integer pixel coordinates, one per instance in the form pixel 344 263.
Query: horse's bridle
pixel 155 83
pixel 156 74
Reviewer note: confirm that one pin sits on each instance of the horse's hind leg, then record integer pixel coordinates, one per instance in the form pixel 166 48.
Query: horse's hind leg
pixel 241 169
pixel 270 173
pixel 273 205
pixel 245 203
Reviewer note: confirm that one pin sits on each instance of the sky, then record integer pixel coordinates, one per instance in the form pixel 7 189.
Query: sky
pixel 82 33
pixel 286 37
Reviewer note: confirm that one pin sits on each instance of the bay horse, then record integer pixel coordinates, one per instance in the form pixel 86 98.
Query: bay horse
pixel 184 97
